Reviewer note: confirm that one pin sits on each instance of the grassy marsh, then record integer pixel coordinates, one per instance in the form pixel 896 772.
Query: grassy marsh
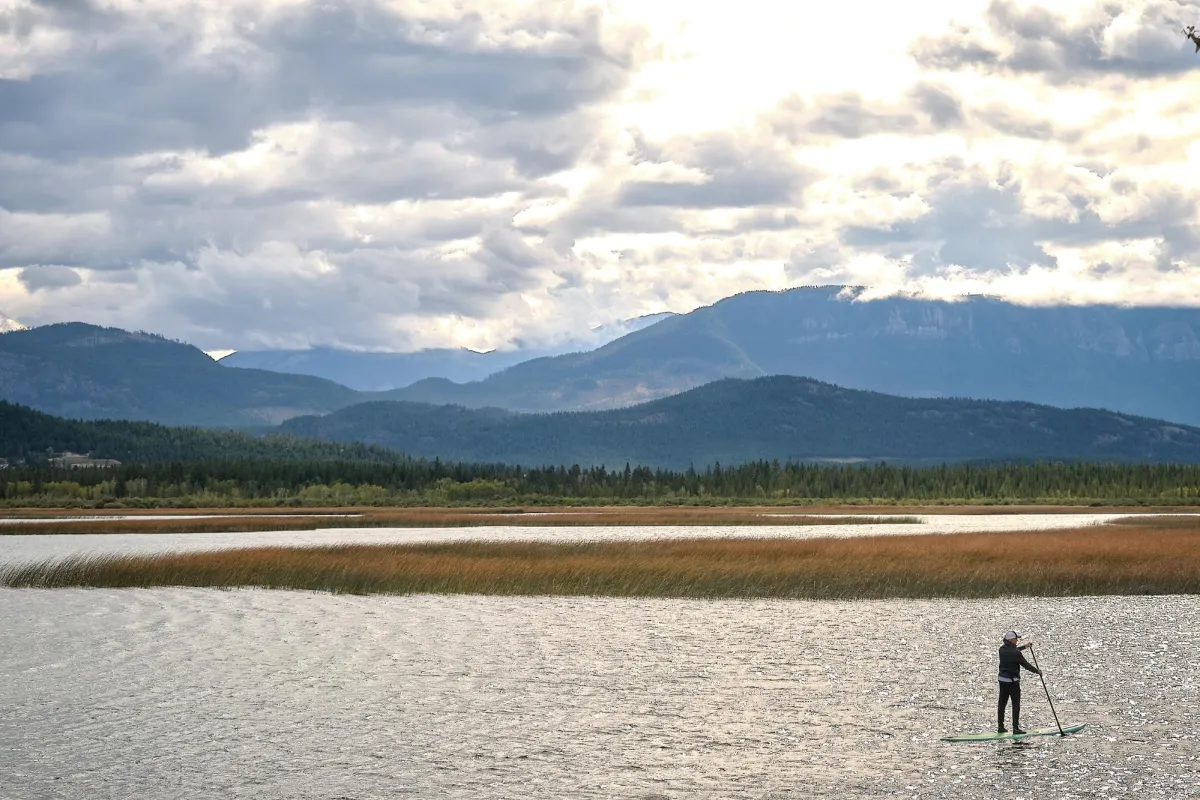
pixel 274 520
pixel 1132 559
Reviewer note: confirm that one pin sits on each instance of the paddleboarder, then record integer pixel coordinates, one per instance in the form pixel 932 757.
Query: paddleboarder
pixel 1011 662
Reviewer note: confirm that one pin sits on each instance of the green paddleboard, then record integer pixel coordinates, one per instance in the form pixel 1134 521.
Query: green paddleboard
pixel 995 737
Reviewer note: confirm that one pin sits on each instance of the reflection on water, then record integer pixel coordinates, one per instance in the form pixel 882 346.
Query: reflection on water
pixel 35 547
pixel 213 694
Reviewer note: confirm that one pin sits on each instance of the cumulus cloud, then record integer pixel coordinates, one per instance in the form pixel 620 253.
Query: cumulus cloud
pixel 925 108
pixel 1133 40
pixel 720 171
pixel 48 278
pixel 391 142
pixel 397 174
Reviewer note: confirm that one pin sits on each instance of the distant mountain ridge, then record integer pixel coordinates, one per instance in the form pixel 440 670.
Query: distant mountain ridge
pixel 85 371
pixel 1138 360
pixel 368 371
pixel 735 421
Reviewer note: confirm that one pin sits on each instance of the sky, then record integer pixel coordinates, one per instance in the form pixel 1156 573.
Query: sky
pixel 396 175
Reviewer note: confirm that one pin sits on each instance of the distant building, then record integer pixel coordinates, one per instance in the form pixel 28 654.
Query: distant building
pixel 75 460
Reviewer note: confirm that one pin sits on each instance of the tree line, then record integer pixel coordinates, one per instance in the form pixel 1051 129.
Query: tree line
pixel 409 482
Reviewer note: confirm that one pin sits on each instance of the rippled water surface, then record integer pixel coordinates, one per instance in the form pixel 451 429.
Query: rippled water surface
pixel 37 547
pixel 213 694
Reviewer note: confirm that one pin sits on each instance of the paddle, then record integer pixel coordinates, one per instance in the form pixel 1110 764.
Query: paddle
pixel 1048 700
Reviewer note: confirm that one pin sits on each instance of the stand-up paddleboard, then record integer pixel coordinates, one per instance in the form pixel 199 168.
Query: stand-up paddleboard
pixel 992 737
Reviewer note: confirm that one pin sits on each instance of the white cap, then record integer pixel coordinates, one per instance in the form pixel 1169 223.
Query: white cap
pixel 1011 635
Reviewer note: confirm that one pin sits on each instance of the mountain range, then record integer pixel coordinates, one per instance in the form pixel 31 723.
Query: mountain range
pixel 729 421
pixel 781 417
pixel 88 372
pixel 1137 360
pixel 369 371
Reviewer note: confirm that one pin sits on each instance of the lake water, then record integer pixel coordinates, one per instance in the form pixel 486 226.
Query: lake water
pixel 38 547
pixel 186 693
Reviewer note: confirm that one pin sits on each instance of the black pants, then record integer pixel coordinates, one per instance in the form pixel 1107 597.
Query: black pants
pixel 1009 690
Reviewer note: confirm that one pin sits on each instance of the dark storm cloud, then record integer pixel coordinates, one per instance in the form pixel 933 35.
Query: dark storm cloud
pixel 1029 39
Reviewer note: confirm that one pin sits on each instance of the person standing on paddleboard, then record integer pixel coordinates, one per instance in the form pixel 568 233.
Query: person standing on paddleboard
pixel 1011 662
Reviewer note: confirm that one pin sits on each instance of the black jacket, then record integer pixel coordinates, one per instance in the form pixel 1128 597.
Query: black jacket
pixel 1011 661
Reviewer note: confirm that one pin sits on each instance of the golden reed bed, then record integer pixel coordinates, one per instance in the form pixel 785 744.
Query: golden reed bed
pixel 1141 556
pixel 277 520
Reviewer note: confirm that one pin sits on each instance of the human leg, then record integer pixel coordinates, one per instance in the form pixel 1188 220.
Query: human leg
pixel 1015 692
pixel 1001 704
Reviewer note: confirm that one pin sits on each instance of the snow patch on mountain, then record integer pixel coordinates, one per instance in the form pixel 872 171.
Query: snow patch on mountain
pixel 9 324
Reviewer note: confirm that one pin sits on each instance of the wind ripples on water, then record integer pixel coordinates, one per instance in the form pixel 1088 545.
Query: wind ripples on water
pixel 212 694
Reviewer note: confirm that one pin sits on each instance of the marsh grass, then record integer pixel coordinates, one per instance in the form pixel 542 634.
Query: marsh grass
pixel 1100 560
pixel 1172 522
pixel 241 520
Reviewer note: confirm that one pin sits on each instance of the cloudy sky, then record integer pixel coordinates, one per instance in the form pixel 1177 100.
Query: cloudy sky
pixel 398 174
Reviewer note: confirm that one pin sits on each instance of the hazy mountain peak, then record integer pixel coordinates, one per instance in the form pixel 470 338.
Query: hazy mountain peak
pixel 381 371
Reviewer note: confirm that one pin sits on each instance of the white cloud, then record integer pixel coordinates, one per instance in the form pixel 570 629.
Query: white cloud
pixel 407 174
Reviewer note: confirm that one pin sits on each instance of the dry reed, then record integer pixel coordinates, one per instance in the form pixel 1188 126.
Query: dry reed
pixel 1114 560
pixel 242 520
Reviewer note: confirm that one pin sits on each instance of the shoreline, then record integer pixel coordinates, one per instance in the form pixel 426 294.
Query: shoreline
pixel 43 521
pixel 1136 557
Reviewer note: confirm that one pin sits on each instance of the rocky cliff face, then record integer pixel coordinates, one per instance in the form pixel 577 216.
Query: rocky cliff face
pixel 1137 360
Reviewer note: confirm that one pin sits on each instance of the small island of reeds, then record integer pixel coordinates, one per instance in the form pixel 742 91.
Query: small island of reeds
pixel 234 520
pixel 1138 556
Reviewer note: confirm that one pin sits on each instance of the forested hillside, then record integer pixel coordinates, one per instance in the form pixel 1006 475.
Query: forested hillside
pixel 88 372
pixel 165 466
pixel 736 421
pixel 26 434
